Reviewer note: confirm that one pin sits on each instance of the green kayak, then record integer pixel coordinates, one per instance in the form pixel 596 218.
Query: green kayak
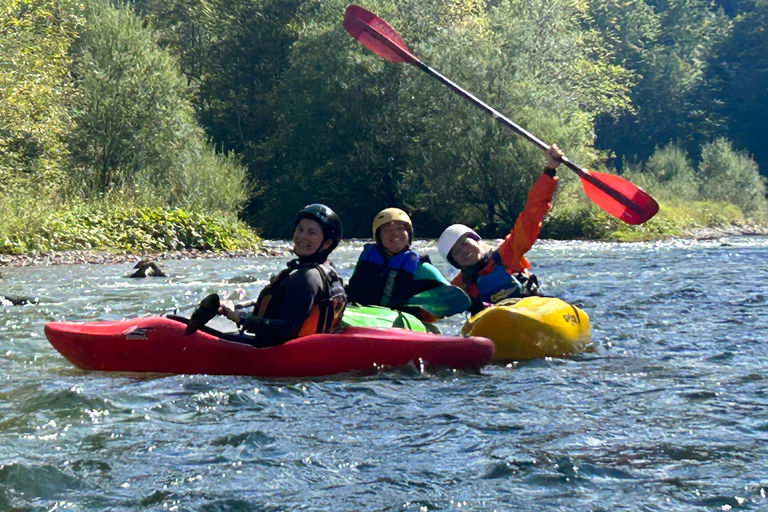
pixel 377 316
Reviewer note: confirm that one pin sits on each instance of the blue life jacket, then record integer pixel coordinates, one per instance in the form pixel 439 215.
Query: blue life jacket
pixel 499 284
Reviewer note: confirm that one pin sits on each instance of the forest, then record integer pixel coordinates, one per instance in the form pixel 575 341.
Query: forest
pixel 168 124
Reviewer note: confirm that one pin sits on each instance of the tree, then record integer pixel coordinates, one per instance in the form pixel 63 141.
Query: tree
pixel 362 133
pixel 233 53
pixel 35 89
pixel 534 62
pixel 732 176
pixel 666 44
pixel 136 131
pixel 739 79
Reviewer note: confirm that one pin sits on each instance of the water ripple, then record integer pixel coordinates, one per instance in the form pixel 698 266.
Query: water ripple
pixel 669 413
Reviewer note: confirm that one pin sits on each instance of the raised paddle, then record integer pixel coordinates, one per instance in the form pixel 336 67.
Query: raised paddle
pixel 613 194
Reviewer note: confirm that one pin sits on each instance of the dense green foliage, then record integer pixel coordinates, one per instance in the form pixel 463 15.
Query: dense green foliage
pixel 362 134
pixel 94 111
pixel 666 45
pixel 35 90
pixel 136 130
pixel 257 107
pixel 738 80
pixel 723 189
pixel 136 230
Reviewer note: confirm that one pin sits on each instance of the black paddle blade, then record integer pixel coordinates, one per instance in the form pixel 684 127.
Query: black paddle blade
pixel 205 312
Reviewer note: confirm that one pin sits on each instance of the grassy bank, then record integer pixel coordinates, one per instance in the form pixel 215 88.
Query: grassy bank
pixel 37 225
pixel 120 228
pixel 579 220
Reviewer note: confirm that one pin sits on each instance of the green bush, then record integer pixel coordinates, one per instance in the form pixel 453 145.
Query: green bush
pixel 35 86
pixel 574 216
pixel 22 213
pixel 732 176
pixel 668 175
pixel 108 226
pixel 136 129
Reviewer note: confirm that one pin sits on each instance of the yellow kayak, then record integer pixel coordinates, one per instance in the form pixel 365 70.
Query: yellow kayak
pixel 531 328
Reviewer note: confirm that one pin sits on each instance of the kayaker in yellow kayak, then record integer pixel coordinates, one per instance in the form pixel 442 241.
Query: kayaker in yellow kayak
pixel 308 296
pixel 389 273
pixel 490 276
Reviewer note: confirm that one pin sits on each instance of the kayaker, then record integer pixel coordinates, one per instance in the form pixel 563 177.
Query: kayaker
pixel 490 276
pixel 389 272
pixel 305 298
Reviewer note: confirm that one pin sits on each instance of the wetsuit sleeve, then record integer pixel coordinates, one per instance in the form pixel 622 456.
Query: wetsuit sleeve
pixel 300 292
pixel 356 289
pixel 528 224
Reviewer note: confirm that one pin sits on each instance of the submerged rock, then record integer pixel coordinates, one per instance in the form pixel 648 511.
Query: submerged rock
pixel 15 300
pixel 147 268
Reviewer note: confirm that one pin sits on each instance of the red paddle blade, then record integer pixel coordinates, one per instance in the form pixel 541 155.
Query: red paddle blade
pixel 625 201
pixel 376 35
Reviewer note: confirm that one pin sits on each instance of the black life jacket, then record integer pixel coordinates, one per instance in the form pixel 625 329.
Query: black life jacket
pixel 327 309
pixel 382 281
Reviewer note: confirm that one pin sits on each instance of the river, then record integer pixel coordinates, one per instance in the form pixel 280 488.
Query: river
pixel 669 412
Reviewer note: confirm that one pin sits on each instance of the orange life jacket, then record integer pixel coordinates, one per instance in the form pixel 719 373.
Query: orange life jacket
pixel 328 308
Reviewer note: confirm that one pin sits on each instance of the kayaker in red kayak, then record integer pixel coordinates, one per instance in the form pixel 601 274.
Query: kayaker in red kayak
pixel 490 276
pixel 388 272
pixel 308 296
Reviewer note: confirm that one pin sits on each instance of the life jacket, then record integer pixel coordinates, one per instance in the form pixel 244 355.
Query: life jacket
pixel 500 284
pixel 327 309
pixel 384 282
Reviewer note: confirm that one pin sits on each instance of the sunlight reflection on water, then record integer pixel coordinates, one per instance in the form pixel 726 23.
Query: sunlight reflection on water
pixel 669 412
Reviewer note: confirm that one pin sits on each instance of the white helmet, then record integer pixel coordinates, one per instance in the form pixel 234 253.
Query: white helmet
pixel 450 236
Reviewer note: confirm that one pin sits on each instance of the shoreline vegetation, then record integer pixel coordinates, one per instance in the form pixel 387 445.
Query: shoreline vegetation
pixel 105 257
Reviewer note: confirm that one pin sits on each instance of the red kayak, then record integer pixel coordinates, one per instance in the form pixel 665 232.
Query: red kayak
pixel 157 345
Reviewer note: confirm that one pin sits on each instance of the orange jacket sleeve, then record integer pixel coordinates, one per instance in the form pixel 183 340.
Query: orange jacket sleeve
pixel 528 224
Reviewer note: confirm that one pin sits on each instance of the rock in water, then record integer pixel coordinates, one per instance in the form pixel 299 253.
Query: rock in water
pixel 147 268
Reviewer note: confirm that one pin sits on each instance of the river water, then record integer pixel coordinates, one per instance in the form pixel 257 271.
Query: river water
pixel 670 411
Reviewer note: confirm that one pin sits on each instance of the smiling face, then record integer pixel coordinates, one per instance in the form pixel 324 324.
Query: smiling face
pixel 467 251
pixel 394 236
pixel 308 238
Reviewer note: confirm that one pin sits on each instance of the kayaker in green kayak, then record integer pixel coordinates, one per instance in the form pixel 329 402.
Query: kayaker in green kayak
pixel 389 273
pixel 490 276
pixel 305 298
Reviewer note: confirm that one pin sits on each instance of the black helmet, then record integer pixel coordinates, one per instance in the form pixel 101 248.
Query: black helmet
pixel 330 222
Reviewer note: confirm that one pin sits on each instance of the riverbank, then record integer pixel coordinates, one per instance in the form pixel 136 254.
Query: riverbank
pixel 107 258
pixel 711 233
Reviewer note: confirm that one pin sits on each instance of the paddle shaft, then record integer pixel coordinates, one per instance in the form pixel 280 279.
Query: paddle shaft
pixel 246 304
pixel 583 174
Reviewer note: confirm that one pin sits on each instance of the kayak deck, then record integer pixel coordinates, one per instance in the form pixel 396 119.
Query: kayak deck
pixel 532 328
pixel 356 315
pixel 157 345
